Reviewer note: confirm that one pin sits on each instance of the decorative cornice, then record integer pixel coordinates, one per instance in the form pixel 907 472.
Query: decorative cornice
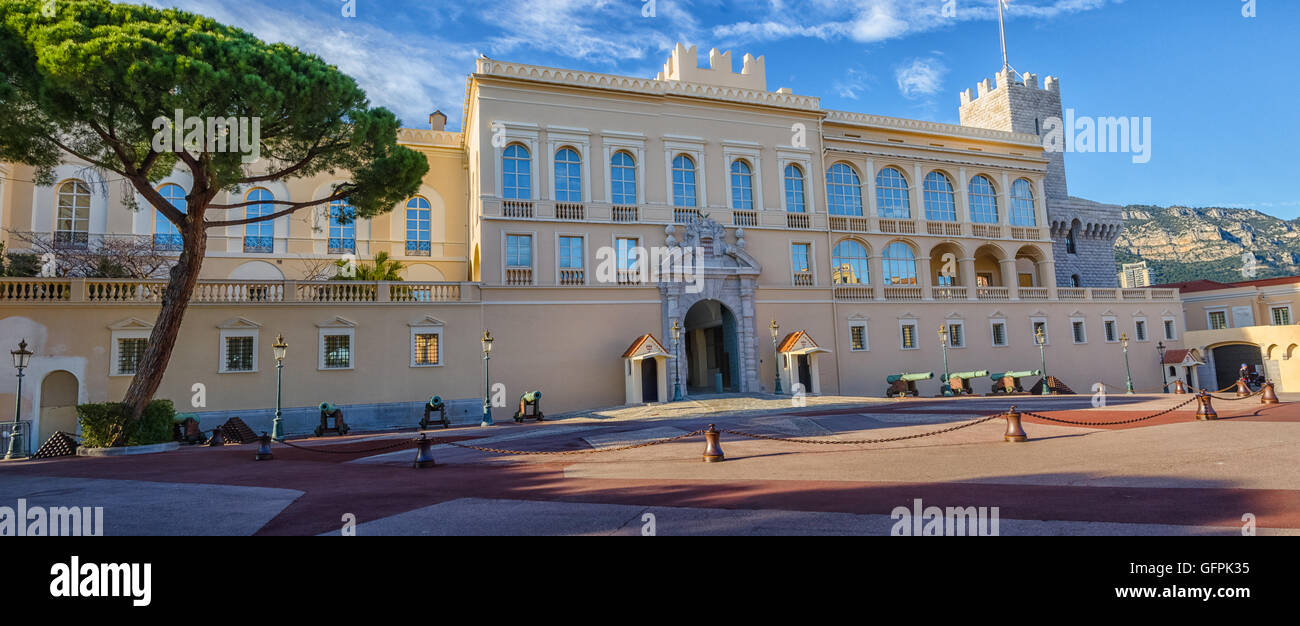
pixel 894 123
pixel 429 137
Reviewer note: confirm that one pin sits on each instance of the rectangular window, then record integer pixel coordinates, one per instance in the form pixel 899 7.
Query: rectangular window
pixel 571 253
pixel 1140 329
pixel 1281 316
pixel 907 334
pixel 239 354
pixel 956 335
pixel 129 352
pixel 1169 330
pixel 1110 331
pixel 1080 333
pixel 999 334
pixel 626 252
pixel 1218 320
pixel 801 264
pixel 426 349
pixel 338 352
pixel 858 337
pixel 519 251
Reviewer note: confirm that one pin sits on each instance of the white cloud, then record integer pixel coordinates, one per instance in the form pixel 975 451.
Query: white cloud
pixel 921 77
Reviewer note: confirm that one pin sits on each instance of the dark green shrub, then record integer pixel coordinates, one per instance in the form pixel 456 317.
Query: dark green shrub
pixel 101 422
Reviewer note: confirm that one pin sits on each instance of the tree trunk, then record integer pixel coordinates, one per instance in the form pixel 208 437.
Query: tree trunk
pixel 153 364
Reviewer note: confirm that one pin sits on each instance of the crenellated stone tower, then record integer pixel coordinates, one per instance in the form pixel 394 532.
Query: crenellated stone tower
pixel 1083 232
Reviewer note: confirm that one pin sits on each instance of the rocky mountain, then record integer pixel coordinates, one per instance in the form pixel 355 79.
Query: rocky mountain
pixel 1180 243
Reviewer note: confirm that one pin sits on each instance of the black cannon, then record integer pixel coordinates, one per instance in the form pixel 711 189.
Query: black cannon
pixel 1007 383
pixel 530 407
pixel 958 383
pixel 904 385
pixel 435 405
pixel 330 412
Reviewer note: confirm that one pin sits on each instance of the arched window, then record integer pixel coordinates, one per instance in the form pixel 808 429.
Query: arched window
pixel 72 227
pixel 844 190
pixel 419 219
pixel 517 173
pixel 742 186
pixel 165 235
pixel 568 176
pixel 983 201
pixel 892 199
pixel 1022 204
pixel 259 236
pixel 940 202
pixel 684 181
pixel 622 178
pixel 343 228
pixel 1072 240
pixel 850 264
pixel 794 196
pixel 899 264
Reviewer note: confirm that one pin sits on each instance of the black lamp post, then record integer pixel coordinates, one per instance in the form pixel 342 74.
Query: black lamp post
pixel 487 379
pixel 776 356
pixel 1128 372
pixel 677 382
pixel 22 358
pixel 280 348
pixel 1040 338
pixel 1164 380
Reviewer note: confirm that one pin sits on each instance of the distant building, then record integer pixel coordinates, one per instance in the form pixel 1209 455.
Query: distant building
pixel 1135 275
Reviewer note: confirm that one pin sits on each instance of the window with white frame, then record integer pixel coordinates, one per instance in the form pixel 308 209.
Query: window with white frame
pixel 569 254
pixel 1079 330
pixel 622 179
pixel 858 341
pixel 1218 320
pixel 1140 329
pixel 568 176
pixel 940 200
pixel 336 350
pixel 794 192
pixel 742 186
pixel 519 251
pixel 1040 325
pixel 998 329
pixel 72 223
pixel 516 173
pixel 426 346
pixel 1281 315
pixel 893 198
pixel 844 190
pixel 956 334
pixel 801 264
pixel 1111 328
pixel 128 349
pixel 684 194
pixel 983 200
pixel 1171 329
pixel 1022 204
pixel 907 336
pixel 238 351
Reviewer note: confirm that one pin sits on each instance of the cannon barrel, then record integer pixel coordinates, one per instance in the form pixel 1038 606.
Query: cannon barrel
pixel 969 375
pixel 532 396
pixel 435 401
pixel 910 378
pixel 327 407
pixel 1026 374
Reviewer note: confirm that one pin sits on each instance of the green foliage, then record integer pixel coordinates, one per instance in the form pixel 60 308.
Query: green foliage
pixel 21 265
pixel 102 422
pixel 385 268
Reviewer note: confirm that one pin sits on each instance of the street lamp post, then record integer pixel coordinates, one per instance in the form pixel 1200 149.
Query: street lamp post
pixel 677 353
pixel 943 343
pixel 776 356
pixel 487 379
pixel 279 348
pixel 22 358
pixel 1128 372
pixel 1040 338
pixel 1164 380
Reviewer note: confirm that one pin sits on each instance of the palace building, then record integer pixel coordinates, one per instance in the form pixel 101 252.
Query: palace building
pixel 859 235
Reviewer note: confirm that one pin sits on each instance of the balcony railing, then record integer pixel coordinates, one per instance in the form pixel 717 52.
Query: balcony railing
pixel 70 239
pixel 418 248
pixel 1034 293
pixel 745 219
pixel 519 276
pixel 944 229
pixel 993 294
pixel 903 293
pixel 685 215
pixel 342 245
pixel 259 245
pixel 97 291
pixel 517 208
pixel 804 279
pixel 624 214
pixel 798 221
pixel 855 293
pixel 570 276
pixel 898 227
pixel 986 231
pixel 846 223
pixel 570 211
pixel 949 293
pixel 168 242
pixel 1024 233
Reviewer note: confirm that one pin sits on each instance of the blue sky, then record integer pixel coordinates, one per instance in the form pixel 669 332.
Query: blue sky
pixel 1222 90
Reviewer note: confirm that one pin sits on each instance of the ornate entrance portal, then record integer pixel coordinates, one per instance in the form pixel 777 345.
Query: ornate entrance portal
pixel 715 305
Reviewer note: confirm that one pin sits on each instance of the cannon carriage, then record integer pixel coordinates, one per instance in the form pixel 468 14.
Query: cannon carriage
pixel 904 385
pixel 438 406
pixel 1008 383
pixel 330 412
pixel 530 407
pixel 958 383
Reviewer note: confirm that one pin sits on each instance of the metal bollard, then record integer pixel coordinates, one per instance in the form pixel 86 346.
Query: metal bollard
pixel 713 445
pixel 1270 394
pixel 264 448
pixel 1205 410
pixel 1180 388
pixel 423 455
pixel 1243 390
pixel 217 439
pixel 1015 433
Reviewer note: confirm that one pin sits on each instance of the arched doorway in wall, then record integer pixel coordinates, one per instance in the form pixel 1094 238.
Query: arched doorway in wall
pixel 59 392
pixel 1228 360
pixel 711 347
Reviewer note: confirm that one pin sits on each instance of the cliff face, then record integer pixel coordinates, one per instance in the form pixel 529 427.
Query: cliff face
pixel 1180 243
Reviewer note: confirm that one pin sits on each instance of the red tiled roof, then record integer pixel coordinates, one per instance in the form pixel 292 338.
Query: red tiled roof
pixel 1174 357
pixel 1193 286
pixel 636 345
pixel 788 343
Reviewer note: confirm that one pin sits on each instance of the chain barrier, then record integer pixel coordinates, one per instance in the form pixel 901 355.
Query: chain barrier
pixel 1117 423
pixel 1256 394
pixel 573 452
pixel 861 442
pixel 1124 389
pixel 400 443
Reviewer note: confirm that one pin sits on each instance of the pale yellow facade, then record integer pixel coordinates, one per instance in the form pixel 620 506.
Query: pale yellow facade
pixel 1251 323
pixel 828 222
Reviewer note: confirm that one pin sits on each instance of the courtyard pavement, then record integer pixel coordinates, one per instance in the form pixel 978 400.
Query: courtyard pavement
pixel 1170 475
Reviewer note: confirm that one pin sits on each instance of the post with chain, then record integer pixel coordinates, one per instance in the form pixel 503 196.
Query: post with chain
pixel 264 448
pixel 1205 409
pixel 1180 388
pixel 713 445
pixel 218 439
pixel 1268 395
pixel 1015 433
pixel 423 455
pixel 1243 390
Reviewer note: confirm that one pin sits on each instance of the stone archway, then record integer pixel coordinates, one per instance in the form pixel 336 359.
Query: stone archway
pixel 59 393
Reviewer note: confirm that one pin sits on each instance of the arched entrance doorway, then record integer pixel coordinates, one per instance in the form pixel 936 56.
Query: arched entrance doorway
pixel 1229 359
pixel 58 406
pixel 711 347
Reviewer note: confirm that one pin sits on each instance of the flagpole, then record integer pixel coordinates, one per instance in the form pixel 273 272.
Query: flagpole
pixel 1002 29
